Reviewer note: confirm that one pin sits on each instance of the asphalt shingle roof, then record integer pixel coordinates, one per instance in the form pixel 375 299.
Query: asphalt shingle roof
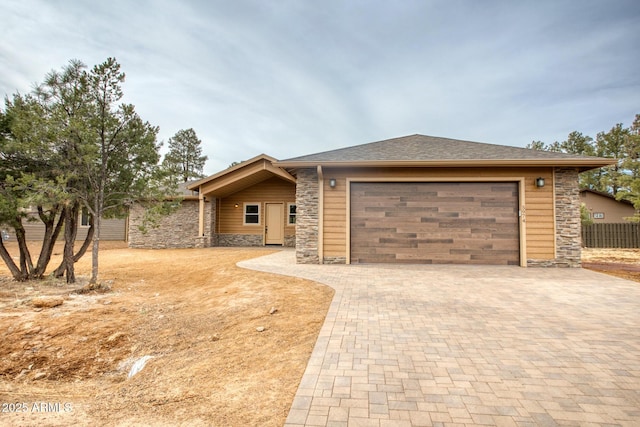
pixel 429 148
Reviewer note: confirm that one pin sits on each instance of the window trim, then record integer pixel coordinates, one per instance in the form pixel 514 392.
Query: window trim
pixel 244 213
pixel 289 214
pixel 84 213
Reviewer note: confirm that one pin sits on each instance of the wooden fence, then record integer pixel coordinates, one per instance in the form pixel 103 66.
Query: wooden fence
pixel 623 235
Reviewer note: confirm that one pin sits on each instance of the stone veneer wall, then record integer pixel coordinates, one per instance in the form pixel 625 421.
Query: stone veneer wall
pixel 248 240
pixel 207 239
pixel 307 217
pixel 290 241
pixel 334 260
pixel 177 230
pixel 239 240
pixel 568 226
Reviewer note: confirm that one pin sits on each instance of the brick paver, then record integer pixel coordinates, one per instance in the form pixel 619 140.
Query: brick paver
pixel 469 345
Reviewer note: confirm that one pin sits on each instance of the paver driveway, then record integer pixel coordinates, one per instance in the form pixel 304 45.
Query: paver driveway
pixel 469 345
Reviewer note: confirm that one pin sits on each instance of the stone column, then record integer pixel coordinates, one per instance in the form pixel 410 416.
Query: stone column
pixel 208 212
pixel 568 225
pixel 307 217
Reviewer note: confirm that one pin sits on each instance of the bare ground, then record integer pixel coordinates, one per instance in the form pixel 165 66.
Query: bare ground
pixel 64 357
pixel 192 310
pixel 623 263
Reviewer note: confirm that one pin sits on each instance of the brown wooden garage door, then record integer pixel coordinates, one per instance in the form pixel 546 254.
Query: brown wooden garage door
pixel 435 223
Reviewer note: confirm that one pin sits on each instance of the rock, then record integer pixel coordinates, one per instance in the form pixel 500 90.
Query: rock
pixel 115 336
pixel 260 329
pixel 273 310
pixel 46 302
pixel 138 365
pixel 39 376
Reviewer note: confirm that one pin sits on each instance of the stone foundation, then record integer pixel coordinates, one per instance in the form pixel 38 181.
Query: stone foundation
pixel 290 241
pixel 334 260
pixel 240 240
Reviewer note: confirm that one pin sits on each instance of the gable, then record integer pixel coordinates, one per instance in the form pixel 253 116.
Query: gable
pixel 241 176
pixel 605 208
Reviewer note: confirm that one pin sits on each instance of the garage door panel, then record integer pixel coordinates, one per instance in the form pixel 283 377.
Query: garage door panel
pixel 475 223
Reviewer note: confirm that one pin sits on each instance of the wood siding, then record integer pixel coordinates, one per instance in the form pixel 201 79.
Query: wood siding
pixel 538 209
pixel 273 190
pixel 608 209
pixel 435 222
pixel 111 229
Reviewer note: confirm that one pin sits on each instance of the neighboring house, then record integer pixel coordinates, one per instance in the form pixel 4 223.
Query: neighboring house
pixel 111 229
pixel 604 208
pixel 415 199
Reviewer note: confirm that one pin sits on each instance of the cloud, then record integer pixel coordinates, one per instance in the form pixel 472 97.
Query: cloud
pixel 290 78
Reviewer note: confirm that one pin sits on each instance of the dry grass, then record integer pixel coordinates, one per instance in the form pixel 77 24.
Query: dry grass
pixel 193 310
pixel 624 263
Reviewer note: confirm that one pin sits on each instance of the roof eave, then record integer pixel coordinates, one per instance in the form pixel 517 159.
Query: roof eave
pixel 196 184
pixel 586 164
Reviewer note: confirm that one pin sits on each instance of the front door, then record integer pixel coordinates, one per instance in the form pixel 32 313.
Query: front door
pixel 274 228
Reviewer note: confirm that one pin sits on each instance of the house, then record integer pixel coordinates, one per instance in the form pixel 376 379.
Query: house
pixel 604 208
pixel 414 199
pixel 249 204
pixel 114 229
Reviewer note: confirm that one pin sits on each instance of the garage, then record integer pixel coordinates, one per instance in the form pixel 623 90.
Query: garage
pixel 434 222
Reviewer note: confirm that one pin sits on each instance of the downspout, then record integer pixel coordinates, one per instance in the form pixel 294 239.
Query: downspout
pixel 320 215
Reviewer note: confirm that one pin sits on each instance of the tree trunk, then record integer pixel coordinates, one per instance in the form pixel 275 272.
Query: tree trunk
pixel 94 254
pixel 70 229
pixel 26 265
pixel 51 233
pixel 59 272
pixel 17 274
pixel 99 209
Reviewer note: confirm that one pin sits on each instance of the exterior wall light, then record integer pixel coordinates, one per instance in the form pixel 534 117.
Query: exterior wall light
pixel 332 182
pixel 540 182
pixel 236 206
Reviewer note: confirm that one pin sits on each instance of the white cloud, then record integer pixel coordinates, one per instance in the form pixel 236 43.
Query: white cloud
pixel 291 78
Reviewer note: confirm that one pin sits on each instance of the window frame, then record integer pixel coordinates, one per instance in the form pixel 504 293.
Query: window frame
pixel 84 215
pixel 290 215
pixel 257 214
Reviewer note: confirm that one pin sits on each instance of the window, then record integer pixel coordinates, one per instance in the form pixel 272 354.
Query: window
pixel 84 218
pixel 292 213
pixel 251 214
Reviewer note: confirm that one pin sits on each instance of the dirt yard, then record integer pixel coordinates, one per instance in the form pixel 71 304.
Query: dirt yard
pixel 623 263
pixel 192 310
pixel 65 357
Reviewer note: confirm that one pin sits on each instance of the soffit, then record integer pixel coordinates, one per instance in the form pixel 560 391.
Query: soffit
pixel 237 179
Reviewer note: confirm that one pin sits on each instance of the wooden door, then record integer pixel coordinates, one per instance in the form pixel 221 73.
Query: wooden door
pixel 274 224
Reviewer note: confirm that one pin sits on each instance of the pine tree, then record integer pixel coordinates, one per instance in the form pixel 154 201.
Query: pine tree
pixel 185 159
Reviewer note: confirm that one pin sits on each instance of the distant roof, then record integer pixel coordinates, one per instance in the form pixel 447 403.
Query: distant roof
pixel 184 191
pixel 607 195
pixel 422 150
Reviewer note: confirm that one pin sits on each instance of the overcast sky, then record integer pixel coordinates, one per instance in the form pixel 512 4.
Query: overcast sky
pixel 294 77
